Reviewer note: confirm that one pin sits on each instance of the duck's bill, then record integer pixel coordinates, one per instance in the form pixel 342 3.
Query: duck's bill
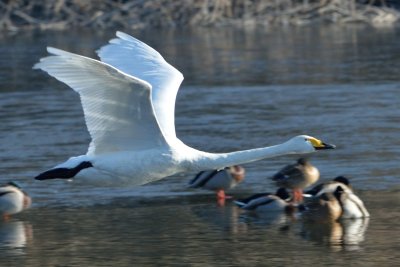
pixel 325 146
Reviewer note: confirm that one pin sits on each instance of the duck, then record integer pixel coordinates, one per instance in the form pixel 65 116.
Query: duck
pixel 352 206
pixel 128 100
pixel 219 180
pixel 332 206
pixel 330 186
pixel 296 177
pixel 267 202
pixel 324 208
pixel 13 200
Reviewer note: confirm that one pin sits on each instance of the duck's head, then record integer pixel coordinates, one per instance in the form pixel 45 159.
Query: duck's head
pixel 302 161
pixel 282 193
pixel 237 173
pixel 307 144
pixel 343 180
pixel 339 192
pixel 14 184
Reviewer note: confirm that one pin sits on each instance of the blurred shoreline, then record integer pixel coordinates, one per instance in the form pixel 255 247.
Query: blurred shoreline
pixel 137 14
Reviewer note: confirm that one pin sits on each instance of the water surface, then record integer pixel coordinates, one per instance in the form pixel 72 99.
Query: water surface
pixel 242 89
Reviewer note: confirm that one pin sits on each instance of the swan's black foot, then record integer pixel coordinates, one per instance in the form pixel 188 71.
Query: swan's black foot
pixel 63 173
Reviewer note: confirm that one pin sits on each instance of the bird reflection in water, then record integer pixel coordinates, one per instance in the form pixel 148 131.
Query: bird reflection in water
pixel 223 217
pixel 15 236
pixel 280 221
pixel 338 235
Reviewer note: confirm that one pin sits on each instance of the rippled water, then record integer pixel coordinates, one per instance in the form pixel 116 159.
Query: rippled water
pixel 242 89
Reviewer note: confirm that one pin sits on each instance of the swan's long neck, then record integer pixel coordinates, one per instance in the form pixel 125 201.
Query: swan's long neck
pixel 220 160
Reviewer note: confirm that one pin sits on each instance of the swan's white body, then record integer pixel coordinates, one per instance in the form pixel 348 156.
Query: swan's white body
pixel 128 99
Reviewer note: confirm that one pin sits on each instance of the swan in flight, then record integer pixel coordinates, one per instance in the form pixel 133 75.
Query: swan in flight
pixel 128 100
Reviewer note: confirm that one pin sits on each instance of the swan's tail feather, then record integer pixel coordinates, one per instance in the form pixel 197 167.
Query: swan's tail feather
pixel 63 173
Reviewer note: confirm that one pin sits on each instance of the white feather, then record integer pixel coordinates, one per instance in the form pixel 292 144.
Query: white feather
pixel 117 106
pixel 353 207
pixel 140 60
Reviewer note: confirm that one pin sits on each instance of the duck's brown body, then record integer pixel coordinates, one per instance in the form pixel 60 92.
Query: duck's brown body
pixel 297 177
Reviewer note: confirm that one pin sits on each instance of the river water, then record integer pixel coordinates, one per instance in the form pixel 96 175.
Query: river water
pixel 242 89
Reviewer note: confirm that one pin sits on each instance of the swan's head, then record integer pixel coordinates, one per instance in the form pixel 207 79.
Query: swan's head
pixel 307 144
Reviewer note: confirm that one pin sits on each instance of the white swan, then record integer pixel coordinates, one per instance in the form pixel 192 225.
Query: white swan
pixel 128 100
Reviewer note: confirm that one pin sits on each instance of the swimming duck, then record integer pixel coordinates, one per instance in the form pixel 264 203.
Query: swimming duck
pixel 128 100
pixel 13 199
pixel 340 204
pixel 219 180
pixel 296 177
pixel 352 206
pixel 323 208
pixel 266 201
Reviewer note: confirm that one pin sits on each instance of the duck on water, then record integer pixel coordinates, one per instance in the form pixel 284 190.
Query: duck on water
pixel 297 176
pixel 13 200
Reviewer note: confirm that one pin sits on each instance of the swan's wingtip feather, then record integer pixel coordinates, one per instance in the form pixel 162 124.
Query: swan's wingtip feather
pixel 37 66
pixel 124 36
pixel 119 33
pixel 121 37
pixel 59 52
pixel 55 51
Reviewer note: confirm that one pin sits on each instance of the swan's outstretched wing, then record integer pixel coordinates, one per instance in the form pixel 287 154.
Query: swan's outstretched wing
pixel 140 60
pixel 117 107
